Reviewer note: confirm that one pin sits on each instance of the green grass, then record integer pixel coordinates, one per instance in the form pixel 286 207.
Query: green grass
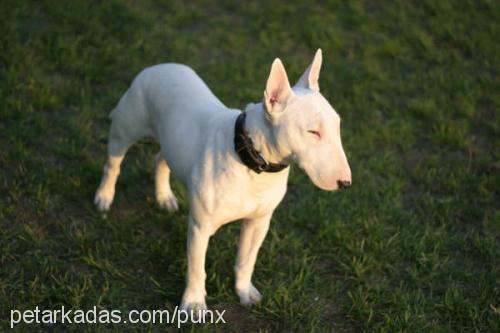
pixel 414 246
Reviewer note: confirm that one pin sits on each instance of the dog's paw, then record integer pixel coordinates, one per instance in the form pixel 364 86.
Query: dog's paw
pixel 103 200
pixel 168 202
pixel 194 309
pixel 194 303
pixel 194 306
pixel 249 295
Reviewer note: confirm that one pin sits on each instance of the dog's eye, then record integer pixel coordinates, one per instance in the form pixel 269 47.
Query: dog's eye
pixel 315 133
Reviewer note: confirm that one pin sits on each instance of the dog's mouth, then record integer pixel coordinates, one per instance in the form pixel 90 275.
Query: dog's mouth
pixel 326 185
pixel 320 179
pixel 327 181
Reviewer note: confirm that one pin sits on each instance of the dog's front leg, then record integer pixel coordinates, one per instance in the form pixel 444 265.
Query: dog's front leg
pixel 253 232
pixel 197 243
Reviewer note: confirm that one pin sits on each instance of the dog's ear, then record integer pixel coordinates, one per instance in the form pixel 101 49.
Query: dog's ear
pixel 309 79
pixel 278 88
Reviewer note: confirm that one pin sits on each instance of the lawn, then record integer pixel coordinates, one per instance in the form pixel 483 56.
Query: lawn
pixel 413 246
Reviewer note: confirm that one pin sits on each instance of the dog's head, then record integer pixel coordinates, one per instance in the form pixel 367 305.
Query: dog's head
pixel 305 125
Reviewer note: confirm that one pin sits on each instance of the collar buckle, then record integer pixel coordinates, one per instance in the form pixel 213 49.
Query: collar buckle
pixel 264 166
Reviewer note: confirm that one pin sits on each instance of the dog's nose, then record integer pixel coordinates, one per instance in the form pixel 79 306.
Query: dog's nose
pixel 343 184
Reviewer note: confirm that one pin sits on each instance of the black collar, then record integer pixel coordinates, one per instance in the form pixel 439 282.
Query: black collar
pixel 246 151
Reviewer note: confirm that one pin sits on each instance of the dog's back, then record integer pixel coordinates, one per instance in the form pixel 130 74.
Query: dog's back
pixel 171 103
pixel 165 91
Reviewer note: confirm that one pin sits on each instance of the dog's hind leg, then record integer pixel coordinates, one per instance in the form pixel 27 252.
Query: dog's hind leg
pixel 118 143
pixel 164 195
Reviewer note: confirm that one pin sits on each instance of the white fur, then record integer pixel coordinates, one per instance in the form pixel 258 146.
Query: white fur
pixel 172 104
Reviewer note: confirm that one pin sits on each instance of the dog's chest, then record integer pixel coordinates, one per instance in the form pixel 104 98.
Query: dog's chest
pixel 258 198
pixel 233 195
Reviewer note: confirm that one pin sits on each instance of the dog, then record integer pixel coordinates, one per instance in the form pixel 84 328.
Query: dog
pixel 234 164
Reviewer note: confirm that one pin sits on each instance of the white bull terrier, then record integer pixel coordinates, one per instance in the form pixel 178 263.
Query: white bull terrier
pixel 233 164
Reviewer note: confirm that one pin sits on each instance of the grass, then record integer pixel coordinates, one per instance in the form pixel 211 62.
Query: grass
pixel 414 246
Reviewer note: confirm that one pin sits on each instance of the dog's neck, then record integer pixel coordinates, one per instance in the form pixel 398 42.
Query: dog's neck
pixel 260 130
